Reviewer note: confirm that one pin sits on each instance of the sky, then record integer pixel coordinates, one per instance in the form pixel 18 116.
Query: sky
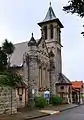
pixel 19 18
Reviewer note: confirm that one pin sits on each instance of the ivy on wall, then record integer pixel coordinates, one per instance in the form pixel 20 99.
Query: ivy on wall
pixel 8 78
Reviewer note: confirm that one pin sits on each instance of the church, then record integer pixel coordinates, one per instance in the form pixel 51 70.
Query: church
pixel 39 62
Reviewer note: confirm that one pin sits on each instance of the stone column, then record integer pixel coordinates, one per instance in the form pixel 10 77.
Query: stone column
pixel 33 78
pixel 25 68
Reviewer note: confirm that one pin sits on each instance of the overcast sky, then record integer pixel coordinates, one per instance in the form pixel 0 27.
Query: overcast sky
pixel 19 18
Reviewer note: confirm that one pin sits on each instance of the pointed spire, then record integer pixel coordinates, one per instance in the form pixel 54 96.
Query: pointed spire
pixel 50 14
pixel 32 41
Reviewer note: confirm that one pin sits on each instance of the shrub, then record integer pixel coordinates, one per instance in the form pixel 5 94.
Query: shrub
pixel 9 78
pixel 56 100
pixel 40 102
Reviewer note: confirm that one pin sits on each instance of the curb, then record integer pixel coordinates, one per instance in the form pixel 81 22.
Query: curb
pixel 69 108
pixel 31 118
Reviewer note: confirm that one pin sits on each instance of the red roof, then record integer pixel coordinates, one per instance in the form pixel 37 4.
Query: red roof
pixel 77 84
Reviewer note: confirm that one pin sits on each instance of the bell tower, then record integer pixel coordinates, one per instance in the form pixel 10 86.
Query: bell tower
pixel 51 27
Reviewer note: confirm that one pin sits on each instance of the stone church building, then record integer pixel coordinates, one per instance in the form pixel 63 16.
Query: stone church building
pixel 39 61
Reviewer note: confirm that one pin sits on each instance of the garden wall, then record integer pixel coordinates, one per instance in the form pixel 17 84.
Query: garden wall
pixel 5 100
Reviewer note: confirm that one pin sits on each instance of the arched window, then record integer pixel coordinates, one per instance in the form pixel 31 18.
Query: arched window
pixel 51 31
pixel 45 32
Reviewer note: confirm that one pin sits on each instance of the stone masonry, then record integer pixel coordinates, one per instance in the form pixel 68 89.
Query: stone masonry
pixel 5 100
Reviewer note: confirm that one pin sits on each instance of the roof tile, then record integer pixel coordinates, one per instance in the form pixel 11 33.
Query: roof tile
pixel 77 84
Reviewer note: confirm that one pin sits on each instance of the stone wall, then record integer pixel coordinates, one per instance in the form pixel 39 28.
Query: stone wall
pixel 5 100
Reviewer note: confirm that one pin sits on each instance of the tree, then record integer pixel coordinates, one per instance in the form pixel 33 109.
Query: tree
pixel 75 6
pixel 9 78
pixel 3 60
pixel 8 48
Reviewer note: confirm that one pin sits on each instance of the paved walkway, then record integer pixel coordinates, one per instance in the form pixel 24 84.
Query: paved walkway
pixel 72 114
pixel 32 114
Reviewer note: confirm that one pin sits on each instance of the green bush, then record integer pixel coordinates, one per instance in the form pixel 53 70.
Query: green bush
pixel 55 100
pixel 40 102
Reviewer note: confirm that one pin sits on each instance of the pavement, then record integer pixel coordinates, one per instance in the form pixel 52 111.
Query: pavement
pixel 71 114
pixel 28 114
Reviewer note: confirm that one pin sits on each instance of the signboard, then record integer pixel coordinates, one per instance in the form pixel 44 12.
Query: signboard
pixel 47 95
pixel 33 91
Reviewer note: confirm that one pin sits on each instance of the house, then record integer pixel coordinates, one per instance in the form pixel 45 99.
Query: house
pixel 21 94
pixel 64 88
pixel 77 88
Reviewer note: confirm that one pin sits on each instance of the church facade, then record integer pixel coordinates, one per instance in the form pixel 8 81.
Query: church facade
pixel 39 61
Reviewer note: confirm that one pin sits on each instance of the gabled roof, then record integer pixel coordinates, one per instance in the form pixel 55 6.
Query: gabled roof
pixel 62 79
pixel 17 57
pixel 77 84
